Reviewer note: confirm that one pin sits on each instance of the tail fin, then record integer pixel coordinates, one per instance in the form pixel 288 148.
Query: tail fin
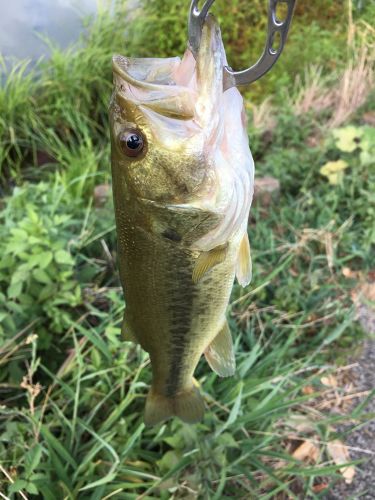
pixel 187 405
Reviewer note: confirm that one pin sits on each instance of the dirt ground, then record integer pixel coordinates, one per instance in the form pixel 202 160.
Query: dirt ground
pixel 363 486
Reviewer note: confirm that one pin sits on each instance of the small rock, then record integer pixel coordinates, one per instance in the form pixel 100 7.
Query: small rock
pixel 267 137
pixel 43 158
pixel 101 194
pixel 314 140
pixel 369 118
pixel 266 191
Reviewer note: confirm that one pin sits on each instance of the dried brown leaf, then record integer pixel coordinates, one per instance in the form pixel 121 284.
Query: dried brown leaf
pixel 368 291
pixel 339 453
pixel 318 488
pixel 307 451
pixel 349 273
pixel 329 381
pixel 369 118
pixel 308 389
pixel 299 424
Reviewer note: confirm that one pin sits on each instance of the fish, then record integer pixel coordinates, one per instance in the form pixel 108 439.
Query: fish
pixel 183 181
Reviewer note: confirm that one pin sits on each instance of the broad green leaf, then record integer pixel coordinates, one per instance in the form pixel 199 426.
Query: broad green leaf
pixel 169 459
pixel 31 488
pixel 42 259
pixel 32 214
pixel 226 439
pixel 6 262
pixel 32 458
pixel 175 441
pixel 63 257
pixel 20 275
pixel 18 485
pixel 367 158
pixel 41 276
pixel 19 233
pixel 45 292
pixel 16 246
pixel 14 290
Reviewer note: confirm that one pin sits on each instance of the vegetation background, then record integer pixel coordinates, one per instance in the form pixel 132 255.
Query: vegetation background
pixel 72 393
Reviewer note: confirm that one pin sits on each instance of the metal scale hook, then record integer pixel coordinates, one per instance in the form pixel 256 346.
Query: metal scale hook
pixel 270 54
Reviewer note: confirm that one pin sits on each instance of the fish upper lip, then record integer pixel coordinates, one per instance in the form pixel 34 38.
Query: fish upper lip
pixel 148 200
pixel 159 204
pixel 121 63
pixel 119 70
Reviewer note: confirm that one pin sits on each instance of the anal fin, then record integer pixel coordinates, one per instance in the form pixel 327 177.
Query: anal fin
pixel 244 266
pixel 126 332
pixel 220 355
pixel 207 260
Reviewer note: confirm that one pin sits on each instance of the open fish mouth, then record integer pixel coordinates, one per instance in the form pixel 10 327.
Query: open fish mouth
pixel 152 83
pixel 155 71
pixel 186 88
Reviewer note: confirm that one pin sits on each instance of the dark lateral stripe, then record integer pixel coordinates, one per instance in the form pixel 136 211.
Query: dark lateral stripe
pixel 172 235
pixel 180 308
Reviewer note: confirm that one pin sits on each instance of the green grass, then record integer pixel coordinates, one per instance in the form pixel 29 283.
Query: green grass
pixel 73 394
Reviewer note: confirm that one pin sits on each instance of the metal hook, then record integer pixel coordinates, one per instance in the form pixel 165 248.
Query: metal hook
pixel 270 54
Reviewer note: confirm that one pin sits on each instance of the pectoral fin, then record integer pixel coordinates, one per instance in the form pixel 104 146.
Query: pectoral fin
pixel 220 355
pixel 207 260
pixel 127 333
pixel 244 264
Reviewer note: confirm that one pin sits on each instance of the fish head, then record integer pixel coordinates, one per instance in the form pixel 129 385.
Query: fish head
pixel 177 137
pixel 157 150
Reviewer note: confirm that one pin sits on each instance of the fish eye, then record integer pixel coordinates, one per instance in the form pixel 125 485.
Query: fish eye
pixel 131 142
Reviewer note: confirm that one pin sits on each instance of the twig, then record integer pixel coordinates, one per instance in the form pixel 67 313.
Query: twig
pixel 113 493
pixel 19 334
pixel 11 480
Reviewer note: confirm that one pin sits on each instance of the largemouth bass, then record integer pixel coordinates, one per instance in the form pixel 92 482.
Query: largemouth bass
pixel 182 184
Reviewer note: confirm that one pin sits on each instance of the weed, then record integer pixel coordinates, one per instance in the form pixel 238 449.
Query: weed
pixel 37 267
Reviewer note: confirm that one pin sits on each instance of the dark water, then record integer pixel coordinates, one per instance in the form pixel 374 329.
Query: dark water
pixel 23 22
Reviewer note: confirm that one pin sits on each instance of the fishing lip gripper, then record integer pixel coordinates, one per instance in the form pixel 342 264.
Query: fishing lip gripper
pixel 270 54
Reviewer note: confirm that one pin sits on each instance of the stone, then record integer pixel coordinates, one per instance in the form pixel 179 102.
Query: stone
pixel 266 191
pixel 369 118
pixel 44 158
pixel 101 194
